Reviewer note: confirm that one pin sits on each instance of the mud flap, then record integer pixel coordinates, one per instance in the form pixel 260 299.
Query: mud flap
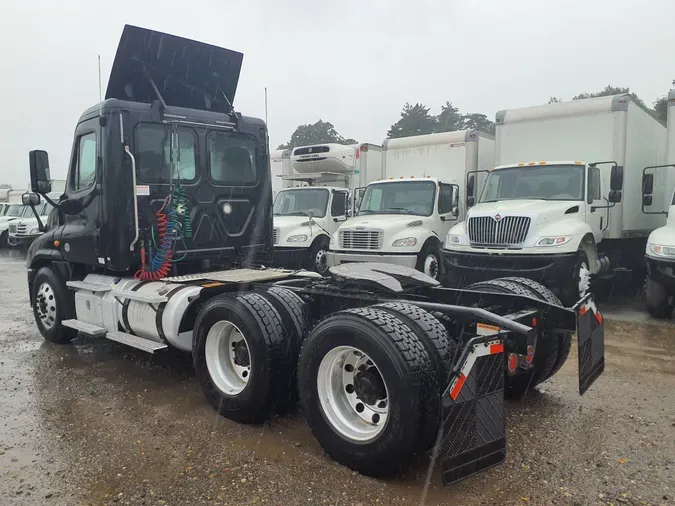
pixel 591 339
pixel 474 435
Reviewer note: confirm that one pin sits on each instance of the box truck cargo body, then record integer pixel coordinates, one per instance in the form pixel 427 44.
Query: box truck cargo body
pixel 572 170
pixel 405 224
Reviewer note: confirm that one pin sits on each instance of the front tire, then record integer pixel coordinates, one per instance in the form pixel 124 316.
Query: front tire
pixel 52 303
pixel 429 261
pixel 242 357
pixel 658 300
pixel 4 240
pixel 317 260
pixel 361 377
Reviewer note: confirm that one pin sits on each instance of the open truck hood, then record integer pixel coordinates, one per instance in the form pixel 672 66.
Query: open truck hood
pixel 187 73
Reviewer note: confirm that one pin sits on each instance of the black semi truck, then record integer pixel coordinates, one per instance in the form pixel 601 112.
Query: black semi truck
pixel 160 241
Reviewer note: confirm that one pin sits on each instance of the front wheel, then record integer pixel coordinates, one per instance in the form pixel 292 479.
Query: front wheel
pixel 4 243
pixel 429 261
pixel 659 303
pixel 52 303
pixel 318 260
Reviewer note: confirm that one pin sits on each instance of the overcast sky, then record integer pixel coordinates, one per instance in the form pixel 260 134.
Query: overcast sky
pixel 353 63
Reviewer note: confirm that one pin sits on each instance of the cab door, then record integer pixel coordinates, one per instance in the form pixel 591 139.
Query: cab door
pixel 596 208
pixel 79 233
pixel 338 210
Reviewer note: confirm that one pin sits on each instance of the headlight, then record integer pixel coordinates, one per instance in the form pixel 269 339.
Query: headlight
pixel 407 242
pixel 332 240
pixel 556 240
pixel 297 238
pixel 34 231
pixel 662 251
pixel 451 239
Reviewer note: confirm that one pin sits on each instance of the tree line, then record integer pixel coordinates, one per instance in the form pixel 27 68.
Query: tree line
pixel 417 120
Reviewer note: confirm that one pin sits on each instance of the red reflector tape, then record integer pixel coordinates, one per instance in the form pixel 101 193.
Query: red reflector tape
pixel 582 310
pixel 598 317
pixel 458 387
pixel 496 348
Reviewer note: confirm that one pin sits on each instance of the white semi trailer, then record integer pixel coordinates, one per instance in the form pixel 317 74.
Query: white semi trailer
pixel 316 199
pixel 404 217
pixel 564 203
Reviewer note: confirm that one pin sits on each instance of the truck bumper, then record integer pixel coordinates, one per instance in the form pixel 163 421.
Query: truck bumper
pixel 473 267
pixel 661 270
pixel 340 257
pixel 290 257
pixel 21 241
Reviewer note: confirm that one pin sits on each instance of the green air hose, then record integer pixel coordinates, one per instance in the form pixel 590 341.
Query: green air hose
pixel 182 209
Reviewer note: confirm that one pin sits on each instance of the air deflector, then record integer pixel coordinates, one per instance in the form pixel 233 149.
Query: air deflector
pixel 187 73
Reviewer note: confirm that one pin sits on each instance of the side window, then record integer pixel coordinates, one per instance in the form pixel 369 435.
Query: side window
pixel 594 184
pixel 444 199
pixel 338 206
pixel 84 174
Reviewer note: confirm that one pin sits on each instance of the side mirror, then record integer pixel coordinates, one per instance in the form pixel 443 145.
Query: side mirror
pixel 30 199
pixel 646 200
pixel 340 218
pixel 40 179
pixel 616 179
pixel 614 196
pixel 647 184
pixel 470 201
pixel 310 214
pixel 69 206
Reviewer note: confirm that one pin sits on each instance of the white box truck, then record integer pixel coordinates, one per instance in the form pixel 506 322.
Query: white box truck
pixel 404 218
pixel 561 222
pixel 316 199
pixel 280 165
pixel 660 250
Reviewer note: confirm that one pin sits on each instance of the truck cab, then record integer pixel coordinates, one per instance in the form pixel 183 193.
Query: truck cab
pixel 24 231
pixel 304 220
pixel 13 212
pixel 539 219
pixel 401 221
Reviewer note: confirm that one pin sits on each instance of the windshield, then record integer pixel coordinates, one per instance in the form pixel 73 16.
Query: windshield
pixel 300 202
pixel 411 197
pixel 545 182
pixel 15 210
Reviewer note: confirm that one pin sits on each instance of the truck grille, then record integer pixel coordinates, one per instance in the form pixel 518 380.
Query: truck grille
pixel 361 239
pixel 21 229
pixel 509 230
pixel 275 236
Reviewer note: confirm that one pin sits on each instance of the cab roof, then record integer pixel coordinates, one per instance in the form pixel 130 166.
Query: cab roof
pixel 538 163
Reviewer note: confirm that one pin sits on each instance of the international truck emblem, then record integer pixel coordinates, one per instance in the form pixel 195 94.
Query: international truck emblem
pixel 497 217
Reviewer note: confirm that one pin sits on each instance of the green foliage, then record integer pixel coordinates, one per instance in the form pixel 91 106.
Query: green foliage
pixel 450 119
pixel 479 122
pixel 611 90
pixel 320 132
pixel 415 120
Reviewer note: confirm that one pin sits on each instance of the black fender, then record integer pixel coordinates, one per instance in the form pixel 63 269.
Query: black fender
pixel 42 257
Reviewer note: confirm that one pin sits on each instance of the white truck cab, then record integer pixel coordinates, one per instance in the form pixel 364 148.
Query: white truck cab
pixel 401 221
pixel 304 220
pixel 316 198
pixel 12 213
pixel 23 231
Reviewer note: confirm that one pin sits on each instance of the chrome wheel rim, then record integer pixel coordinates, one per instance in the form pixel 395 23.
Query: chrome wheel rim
pixel 431 266
pixel 320 261
pixel 45 305
pixel 353 394
pixel 227 358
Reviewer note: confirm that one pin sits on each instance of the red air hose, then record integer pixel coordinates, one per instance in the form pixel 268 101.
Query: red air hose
pixel 161 263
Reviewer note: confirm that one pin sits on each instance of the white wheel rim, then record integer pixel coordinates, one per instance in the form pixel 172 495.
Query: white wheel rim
pixel 431 266
pixel 584 279
pixel 227 358
pixel 45 303
pixel 356 406
pixel 320 261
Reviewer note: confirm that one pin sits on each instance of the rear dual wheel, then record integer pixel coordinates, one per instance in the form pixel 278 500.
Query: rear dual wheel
pixel 552 348
pixel 368 387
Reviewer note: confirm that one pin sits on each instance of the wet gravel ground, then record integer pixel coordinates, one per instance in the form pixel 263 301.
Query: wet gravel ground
pixel 95 423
